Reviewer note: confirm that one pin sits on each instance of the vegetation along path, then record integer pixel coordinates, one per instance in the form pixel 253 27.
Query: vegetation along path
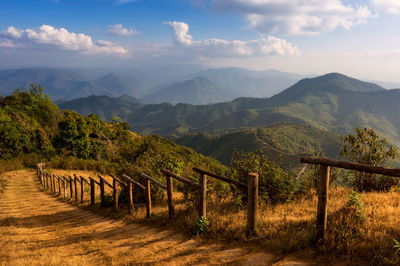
pixel 38 229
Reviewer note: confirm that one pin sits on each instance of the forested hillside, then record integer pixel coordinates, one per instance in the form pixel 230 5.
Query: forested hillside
pixel 285 141
pixel 33 129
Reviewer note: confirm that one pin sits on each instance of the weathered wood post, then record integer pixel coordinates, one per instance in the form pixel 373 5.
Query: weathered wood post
pixel 148 198
pixel 65 187
pixel 45 181
pixel 102 197
pixel 54 183
pixel 51 183
pixel 171 211
pixel 115 194
pixel 130 197
pixel 70 187
pixel 76 190
pixel 59 186
pixel 322 213
pixel 203 196
pixel 92 191
pixel 82 188
pixel 252 203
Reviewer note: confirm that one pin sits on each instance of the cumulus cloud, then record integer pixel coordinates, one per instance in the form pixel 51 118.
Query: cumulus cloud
pixel 296 17
pixel 390 6
pixel 47 35
pixel 265 46
pixel 119 30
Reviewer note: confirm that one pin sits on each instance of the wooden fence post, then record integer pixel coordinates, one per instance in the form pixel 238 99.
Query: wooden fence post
pixel 148 198
pixel 65 187
pixel 76 190
pixel 115 194
pixel 171 211
pixel 252 204
pixel 59 186
pixel 203 196
pixel 102 198
pixel 54 183
pixel 322 213
pixel 70 187
pixel 82 187
pixel 51 183
pixel 92 191
pixel 130 197
pixel 45 181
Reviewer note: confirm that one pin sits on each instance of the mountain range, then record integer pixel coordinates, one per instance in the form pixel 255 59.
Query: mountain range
pixel 334 101
pixel 175 84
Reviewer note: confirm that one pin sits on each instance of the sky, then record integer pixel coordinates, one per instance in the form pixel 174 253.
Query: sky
pixel 353 37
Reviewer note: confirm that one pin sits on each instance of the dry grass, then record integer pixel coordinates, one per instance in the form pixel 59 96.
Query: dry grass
pixel 38 229
pixel 290 227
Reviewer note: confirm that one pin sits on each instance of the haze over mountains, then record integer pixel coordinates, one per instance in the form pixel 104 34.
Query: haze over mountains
pixel 190 84
pixel 333 101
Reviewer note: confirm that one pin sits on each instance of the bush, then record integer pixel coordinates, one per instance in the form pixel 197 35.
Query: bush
pixel 345 226
pixel 275 185
pixel 201 225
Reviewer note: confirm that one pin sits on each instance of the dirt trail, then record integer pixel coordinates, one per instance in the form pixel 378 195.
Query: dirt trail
pixel 38 229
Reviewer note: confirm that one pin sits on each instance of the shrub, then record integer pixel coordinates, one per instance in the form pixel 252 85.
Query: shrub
pixel 275 185
pixel 201 225
pixel 345 226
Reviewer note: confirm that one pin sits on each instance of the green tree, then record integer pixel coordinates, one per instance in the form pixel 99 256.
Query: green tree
pixel 275 185
pixel 365 146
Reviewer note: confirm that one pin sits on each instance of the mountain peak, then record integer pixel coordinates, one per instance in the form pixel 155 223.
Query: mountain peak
pixel 331 82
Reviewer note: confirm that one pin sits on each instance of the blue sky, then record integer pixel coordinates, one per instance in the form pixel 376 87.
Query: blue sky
pixel 358 38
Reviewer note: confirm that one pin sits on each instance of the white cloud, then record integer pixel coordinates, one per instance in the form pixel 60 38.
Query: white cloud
pixel 265 46
pixel 119 30
pixel 7 44
pixel 181 33
pixel 296 17
pixel 390 6
pixel 47 35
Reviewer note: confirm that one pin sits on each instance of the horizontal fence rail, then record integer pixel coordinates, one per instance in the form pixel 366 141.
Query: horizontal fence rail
pixel 126 182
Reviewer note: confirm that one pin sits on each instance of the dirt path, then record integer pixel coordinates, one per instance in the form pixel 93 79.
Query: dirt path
pixel 38 229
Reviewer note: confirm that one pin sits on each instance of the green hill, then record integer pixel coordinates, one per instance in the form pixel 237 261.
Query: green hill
pixel 33 129
pixel 288 141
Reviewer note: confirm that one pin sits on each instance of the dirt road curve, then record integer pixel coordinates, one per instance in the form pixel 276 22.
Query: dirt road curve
pixel 38 229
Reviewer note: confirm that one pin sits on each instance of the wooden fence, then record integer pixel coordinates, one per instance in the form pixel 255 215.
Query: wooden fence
pixel 48 182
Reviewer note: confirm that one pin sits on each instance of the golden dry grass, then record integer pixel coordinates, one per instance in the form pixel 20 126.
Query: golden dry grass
pixel 37 228
pixel 285 230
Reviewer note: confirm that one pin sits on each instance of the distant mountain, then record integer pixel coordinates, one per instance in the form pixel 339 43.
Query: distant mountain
pixel 63 83
pixel 198 90
pixel 288 141
pixel 104 106
pixel 249 83
pixel 333 101
pixel 224 84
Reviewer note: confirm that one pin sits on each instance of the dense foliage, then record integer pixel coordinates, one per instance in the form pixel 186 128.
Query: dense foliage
pixel 33 126
pixel 365 146
pixel 275 185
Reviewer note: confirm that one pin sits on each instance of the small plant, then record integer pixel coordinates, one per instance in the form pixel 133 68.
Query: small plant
pixel 354 201
pixel 396 246
pixel 201 225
